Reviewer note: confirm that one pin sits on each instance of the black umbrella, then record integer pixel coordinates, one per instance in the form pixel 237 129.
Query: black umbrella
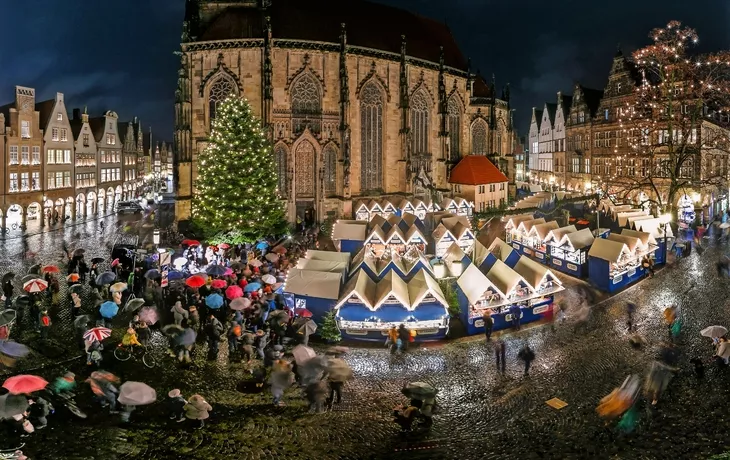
pixel 82 320
pixel 216 270
pixel 11 405
pixel 77 288
pixel 7 317
pixel 106 278
pixel 79 252
pixel 133 304
pixel 35 269
pixel 22 300
pixel 8 276
pixel 97 260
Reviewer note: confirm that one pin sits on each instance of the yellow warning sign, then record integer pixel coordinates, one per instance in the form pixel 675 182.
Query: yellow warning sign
pixel 556 403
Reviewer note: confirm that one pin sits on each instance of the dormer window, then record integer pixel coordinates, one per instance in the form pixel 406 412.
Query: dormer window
pixel 618 87
pixel 59 116
pixel 25 129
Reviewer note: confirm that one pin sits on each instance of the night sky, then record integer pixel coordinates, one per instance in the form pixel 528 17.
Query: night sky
pixel 119 54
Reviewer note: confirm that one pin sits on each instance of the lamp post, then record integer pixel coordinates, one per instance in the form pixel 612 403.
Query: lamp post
pixel 664 219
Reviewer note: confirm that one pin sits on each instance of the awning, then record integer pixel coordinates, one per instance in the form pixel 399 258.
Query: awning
pixel 541 230
pixel 646 238
pixel 323 266
pixel 324 285
pixel 515 221
pixel 578 240
pixel 609 250
pixel 500 249
pixel 556 235
pixel 349 231
pixel 623 217
pixel 534 273
pixel 328 255
pixel 526 226
pixel 504 278
pixel 631 242
pixel 474 284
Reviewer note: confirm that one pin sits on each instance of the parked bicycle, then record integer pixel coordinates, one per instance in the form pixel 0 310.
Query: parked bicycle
pixel 124 353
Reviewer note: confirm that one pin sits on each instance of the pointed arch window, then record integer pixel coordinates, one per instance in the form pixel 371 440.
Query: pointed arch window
pixel 330 170
pixel 371 137
pixel 499 143
pixel 479 138
pixel 282 168
pixel 306 104
pixel 220 90
pixel 304 173
pixel 454 114
pixel 419 121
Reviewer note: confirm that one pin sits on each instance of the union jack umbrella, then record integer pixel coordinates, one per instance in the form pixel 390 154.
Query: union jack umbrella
pixel 97 333
pixel 35 285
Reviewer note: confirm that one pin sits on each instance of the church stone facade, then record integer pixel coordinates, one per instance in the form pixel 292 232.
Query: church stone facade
pixel 360 100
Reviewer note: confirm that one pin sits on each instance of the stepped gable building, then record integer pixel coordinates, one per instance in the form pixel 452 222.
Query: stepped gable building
pixel 359 99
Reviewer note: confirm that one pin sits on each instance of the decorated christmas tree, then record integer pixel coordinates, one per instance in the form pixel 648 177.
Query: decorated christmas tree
pixel 328 330
pixel 236 198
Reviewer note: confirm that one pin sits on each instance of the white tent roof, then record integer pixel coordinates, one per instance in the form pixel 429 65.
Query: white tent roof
pixel 631 242
pixel 514 221
pixel 362 205
pixel 474 284
pixel 377 221
pixel 526 225
pixel 323 266
pixel 609 250
pixel 534 273
pixel 309 283
pixel 557 234
pixel 440 232
pixel 453 255
pixel 480 252
pixel 535 188
pixel 328 255
pixel 376 231
pixel 391 285
pixel 619 208
pixel 623 217
pixel 413 232
pixel 654 226
pixel 349 230
pixel 375 206
pixel 421 285
pixel 388 205
pixel 578 240
pixel 395 231
pixel 504 278
pixel 408 265
pixel 646 238
pixel 361 286
pixel 500 249
pixel 450 221
pixel 542 230
pixel 633 219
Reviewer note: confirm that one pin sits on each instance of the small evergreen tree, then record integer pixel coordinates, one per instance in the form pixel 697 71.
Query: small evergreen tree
pixel 328 330
pixel 236 197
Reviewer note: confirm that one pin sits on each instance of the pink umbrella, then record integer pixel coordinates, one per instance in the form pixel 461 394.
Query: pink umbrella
pixel 115 262
pixel 240 303
pixel 228 272
pixel 20 384
pixel 303 312
pixel 234 292
pixel 218 284
pixel 148 315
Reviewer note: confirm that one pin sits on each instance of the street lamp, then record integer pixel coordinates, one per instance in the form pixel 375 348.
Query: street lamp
pixel 665 219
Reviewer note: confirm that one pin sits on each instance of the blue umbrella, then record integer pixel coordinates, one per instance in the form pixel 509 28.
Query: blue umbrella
pixel 251 287
pixel 175 275
pixel 13 349
pixel 152 274
pixel 108 309
pixel 262 245
pixel 214 301
pixel 106 278
pixel 216 270
pixel 185 338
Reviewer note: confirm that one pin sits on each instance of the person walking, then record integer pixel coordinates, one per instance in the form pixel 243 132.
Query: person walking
pixel 213 333
pixel 630 309
pixel 45 323
pixel 281 378
pixel 488 324
pixel 38 411
pixel 527 356
pixel 197 410
pixel 179 313
pixel 500 352
pixel 405 336
pixel 176 405
pixel 8 292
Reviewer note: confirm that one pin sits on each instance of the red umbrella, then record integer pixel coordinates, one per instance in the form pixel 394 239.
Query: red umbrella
pixel 35 285
pixel 190 243
pixel 303 312
pixel 21 384
pixel 73 277
pixel 115 262
pixel 234 292
pixel 50 269
pixel 195 281
pixel 280 250
pixel 224 246
pixel 218 284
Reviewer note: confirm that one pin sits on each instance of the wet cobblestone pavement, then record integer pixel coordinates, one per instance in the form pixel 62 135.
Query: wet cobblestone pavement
pixel 484 415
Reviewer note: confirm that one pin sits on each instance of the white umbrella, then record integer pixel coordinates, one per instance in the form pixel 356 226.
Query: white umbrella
pixel 136 394
pixel 180 262
pixel 725 225
pixel 713 331
pixel 723 350
pixel 255 263
pixel 302 354
pixel 272 257
pixel 268 279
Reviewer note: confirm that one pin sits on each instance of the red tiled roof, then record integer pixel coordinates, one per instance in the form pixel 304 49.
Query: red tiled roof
pixel 476 170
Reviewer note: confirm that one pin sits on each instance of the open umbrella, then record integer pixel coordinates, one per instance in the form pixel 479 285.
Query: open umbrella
pixel 118 287
pixel 22 300
pixel 279 316
pixel 152 274
pixel 309 327
pixel 20 384
pixel 251 287
pixel 108 309
pixel 214 301
pixel 175 275
pixel 419 390
pixel 180 262
pixel 272 257
pixel 133 304
pixel 77 288
pixel 713 331
pixel 136 394
pixel 7 317
pixel 8 276
pixel 224 246
pixel 106 278
pixel 35 269
pixel 104 376
pixel 195 281
pixel 12 405
pixel 338 370
pixel 261 245
pixel 234 292
pixel 218 284
pixel 35 285
pixel 172 329
pixel 215 270
pixel 50 269
pixel 240 303
pixel 185 338
pixel 268 279
pixel 302 354
pixel 97 333
pixel 115 262
pixel 303 312
pixel 13 349
pixel 82 320
pixel 228 272
pixel 279 250
pixel 190 243
pixel 73 278
pixel 255 263
pixel 148 315
pixel 97 260
pixel 79 252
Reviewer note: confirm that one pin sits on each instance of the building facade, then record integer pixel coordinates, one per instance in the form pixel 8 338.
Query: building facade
pixel 353 111
pixel 58 160
pixel 86 156
pixel 110 164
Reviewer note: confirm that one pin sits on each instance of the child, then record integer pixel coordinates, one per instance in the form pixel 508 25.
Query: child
pixel 130 338
pixel 45 323
pixel 175 404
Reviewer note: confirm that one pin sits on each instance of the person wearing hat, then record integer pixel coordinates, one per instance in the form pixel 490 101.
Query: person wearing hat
pixel 175 405
pixel 197 408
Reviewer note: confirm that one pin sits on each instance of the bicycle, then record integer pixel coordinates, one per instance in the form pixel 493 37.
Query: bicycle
pixel 124 353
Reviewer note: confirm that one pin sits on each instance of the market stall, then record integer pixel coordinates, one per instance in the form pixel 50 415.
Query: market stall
pixel 478 295
pixel 349 235
pixel 499 250
pixel 513 223
pixel 317 291
pixel 623 217
pixel 454 261
pixel 570 253
pixel 635 245
pixel 612 266
pixel 457 205
pixel 656 228
pixel 375 241
pixel 421 208
pixel 331 266
pixel 534 243
pixel 362 210
pixel 519 236
pixel 461 232
pixel 556 235
pixel 442 240
pixel 367 309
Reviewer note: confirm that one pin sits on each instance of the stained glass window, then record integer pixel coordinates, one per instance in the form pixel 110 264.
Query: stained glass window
pixel 371 136
pixel 419 121
pixel 479 138
pixel 304 173
pixel 330 170
pixel 219 91
pixel 454 112
pixel 282 165
pixel 306 104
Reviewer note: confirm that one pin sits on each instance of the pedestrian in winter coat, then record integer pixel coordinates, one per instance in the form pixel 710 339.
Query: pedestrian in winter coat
pixel 527 355
pixel 45 324
pixel 500 351
pixel 247 339
pixel 337 381
pixel 8 293
pixel 281 378
pixel 316 394
pixel 234 333
pixel 213 333
pixel 194 318
pixel 176 405
pixel 197 409
pixel 404 335
pixel 488 324
pixel 38 411
pixel 179 313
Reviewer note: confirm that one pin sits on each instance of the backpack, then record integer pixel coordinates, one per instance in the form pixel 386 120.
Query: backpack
pixel 46 320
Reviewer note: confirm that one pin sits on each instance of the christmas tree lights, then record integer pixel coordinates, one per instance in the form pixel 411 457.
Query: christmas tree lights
pixel 236 198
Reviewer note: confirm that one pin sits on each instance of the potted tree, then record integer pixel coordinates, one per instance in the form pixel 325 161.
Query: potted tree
pixel 328 330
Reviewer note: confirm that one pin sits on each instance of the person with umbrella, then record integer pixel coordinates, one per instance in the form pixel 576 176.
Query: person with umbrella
pixel 338 372
pixel 213 333
pixel 197 410
pixel 102 385
pixel 281 378
pixel 38 411
pixel 8 289
pixel 179 313
pixel 133 394
pixel 176 405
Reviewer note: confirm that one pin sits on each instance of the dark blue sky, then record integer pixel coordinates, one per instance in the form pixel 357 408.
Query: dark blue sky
pixel 118 54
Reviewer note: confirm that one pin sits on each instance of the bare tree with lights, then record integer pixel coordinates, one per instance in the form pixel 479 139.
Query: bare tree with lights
pixel 677 123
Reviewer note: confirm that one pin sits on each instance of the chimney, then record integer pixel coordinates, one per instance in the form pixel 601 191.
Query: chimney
pixel 77 114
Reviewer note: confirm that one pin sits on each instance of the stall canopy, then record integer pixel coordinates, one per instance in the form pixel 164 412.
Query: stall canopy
pixel 632 220
pixel 377 221
pixel 623 217
pixel 375 236
pixel 614 210
pixel 349 230
pixel 646 238
pixel 414 235
pixel 404 222
pixel 323 266
pixel 455 260
pixel 391 290
pixel 442 233
pixel 474 284
pixel 505 279
pixel 328 255
pixel 317 291
pixel 654 226
pixel 501 251
pixel 634 244
pixel 526 225
pixel 479 253
pixel 538 276
pixel 541 231
pixel 577 240
pixel 608 250
pixel 514 221
pixel 535 188
pixel 395 236
pixel 555 236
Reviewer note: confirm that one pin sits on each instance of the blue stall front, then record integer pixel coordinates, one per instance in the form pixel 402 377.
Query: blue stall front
pixel 612 266
pixel 367 309
pixel 570 254
pixel 349 235
pixel 316 291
